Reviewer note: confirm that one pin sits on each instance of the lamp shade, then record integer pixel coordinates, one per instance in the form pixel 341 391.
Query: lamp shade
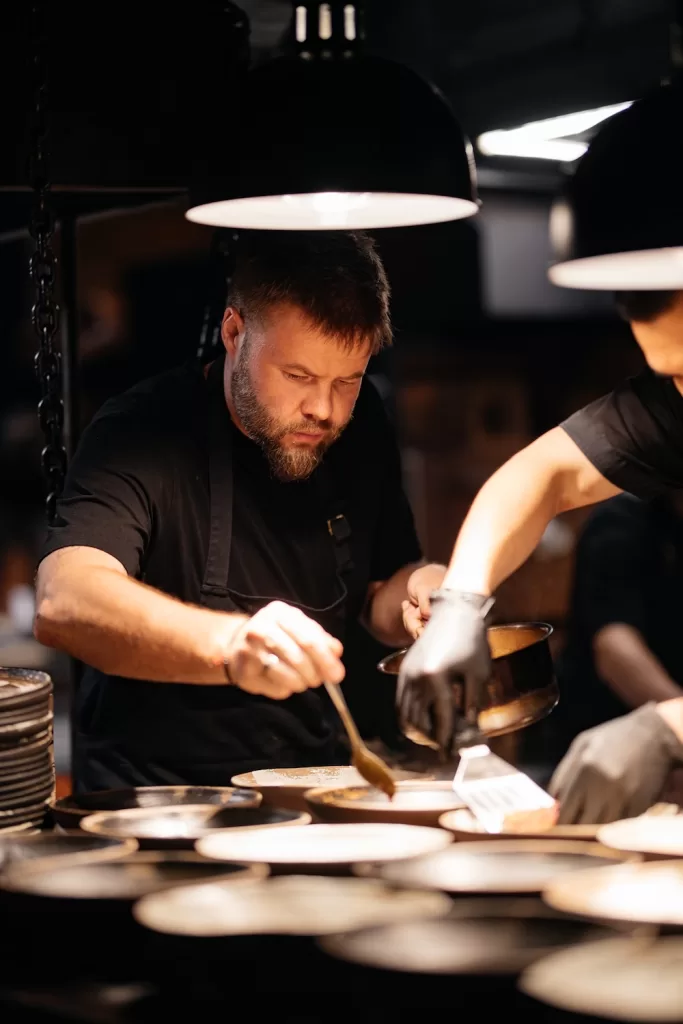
pixel 619 223
pixel 350 143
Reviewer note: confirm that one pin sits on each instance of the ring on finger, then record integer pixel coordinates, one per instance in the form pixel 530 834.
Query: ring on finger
pixel 269 661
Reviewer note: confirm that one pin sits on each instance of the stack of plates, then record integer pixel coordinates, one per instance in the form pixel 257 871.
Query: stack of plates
pixel 26 760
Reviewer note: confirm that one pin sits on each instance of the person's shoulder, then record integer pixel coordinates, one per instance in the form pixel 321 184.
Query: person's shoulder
pixel 370 434
pixel 654 390
pixel 373 408
pixel 164 403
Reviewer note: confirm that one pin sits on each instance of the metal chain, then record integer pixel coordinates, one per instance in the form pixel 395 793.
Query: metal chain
pixel 42 266
pixel 221 262
pixel 676 36
pixel 233 22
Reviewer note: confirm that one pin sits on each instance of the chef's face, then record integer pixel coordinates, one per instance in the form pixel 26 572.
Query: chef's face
pixel 291 387
pixel 661 340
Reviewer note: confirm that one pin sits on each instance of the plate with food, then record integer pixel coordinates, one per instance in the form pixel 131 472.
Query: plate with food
pixel 286 787
pixel 414 803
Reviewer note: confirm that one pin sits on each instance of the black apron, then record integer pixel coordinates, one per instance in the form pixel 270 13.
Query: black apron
pixel 174 734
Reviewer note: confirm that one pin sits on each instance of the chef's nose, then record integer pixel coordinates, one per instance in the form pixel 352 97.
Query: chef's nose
pixel 318 403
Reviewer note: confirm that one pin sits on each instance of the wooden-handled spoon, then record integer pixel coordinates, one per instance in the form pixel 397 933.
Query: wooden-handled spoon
pixel 369 765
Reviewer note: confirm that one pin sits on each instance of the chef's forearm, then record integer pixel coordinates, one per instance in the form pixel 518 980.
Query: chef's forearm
pixel 384 611
pixel 510 513
pixel 628 666
pixel 122 627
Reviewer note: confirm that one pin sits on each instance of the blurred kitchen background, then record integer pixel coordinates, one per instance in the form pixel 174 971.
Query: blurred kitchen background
pixel 487 353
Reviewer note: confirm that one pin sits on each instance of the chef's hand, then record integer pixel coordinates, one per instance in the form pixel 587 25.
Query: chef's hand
pixel 616 770
pixel 452 644
pixel 421 585
pixel 280 651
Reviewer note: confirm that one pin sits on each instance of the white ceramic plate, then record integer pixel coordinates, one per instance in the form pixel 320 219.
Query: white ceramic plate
pixel 326 844
pixel 650 893
pixel 294 905
pixel 647 834
pixel 506 866
pixel 618 979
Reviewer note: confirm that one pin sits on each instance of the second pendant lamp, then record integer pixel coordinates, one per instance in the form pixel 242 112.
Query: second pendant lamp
pixel 618 225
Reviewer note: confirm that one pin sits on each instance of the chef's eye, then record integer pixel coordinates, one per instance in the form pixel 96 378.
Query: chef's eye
pixel 295 376
pixel 349 383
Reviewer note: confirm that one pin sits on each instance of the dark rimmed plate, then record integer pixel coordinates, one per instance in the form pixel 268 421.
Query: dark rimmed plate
pixel 503 867
pixel 70 810
pixel 22 686
pixel 125 879
pixel 181 827
pixel 25 748
pixel 59 849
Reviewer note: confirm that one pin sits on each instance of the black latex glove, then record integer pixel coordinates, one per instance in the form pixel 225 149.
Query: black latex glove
pixel 453 647
pixel 616 770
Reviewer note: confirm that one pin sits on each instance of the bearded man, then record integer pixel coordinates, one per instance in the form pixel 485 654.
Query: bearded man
pixel 221 524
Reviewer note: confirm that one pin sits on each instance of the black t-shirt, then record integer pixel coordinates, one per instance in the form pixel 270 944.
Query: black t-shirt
pixel 634 436
pixel 628 569
pixel 138 488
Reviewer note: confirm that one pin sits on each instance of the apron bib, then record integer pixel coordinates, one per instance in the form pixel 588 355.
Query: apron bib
pixel 174 734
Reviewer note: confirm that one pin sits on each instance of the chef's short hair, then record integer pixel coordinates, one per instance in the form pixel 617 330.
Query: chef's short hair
pixel 337 279
pixel 644 306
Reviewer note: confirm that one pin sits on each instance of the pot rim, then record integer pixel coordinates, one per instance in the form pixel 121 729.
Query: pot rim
pixel 546 627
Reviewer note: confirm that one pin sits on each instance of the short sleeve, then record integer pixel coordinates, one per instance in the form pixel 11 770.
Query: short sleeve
pixel 634 436
pixel 395 541
pixel 112 490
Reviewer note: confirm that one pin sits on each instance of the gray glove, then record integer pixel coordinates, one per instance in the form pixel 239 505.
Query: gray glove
pixel 453 648
pixel 616 770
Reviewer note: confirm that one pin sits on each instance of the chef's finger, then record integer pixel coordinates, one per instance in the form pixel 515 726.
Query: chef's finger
pixel 254 679
pixel 571 800
pixel 442 710
pixel 315 642
pixel 601 798
pixel 636 804
pixel 294 619
pixel 412 621
pixel 567 768
pixel 570 809
pixel 282 676
pixel 423 602
pixel 276 678
pixel 281 644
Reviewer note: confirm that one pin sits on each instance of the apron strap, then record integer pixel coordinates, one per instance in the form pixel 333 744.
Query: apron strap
pixel 221 493
pixel 220 483
pixel 338 525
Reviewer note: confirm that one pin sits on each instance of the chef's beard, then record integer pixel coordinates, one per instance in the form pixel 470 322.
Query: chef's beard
pixel 287 463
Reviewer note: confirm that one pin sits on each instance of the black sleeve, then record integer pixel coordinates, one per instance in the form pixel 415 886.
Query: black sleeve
pixel 112 490
pixel 634 436
pixel 611 574
pixel 395 542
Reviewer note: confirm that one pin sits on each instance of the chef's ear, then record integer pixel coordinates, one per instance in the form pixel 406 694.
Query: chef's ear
pixel 232 329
